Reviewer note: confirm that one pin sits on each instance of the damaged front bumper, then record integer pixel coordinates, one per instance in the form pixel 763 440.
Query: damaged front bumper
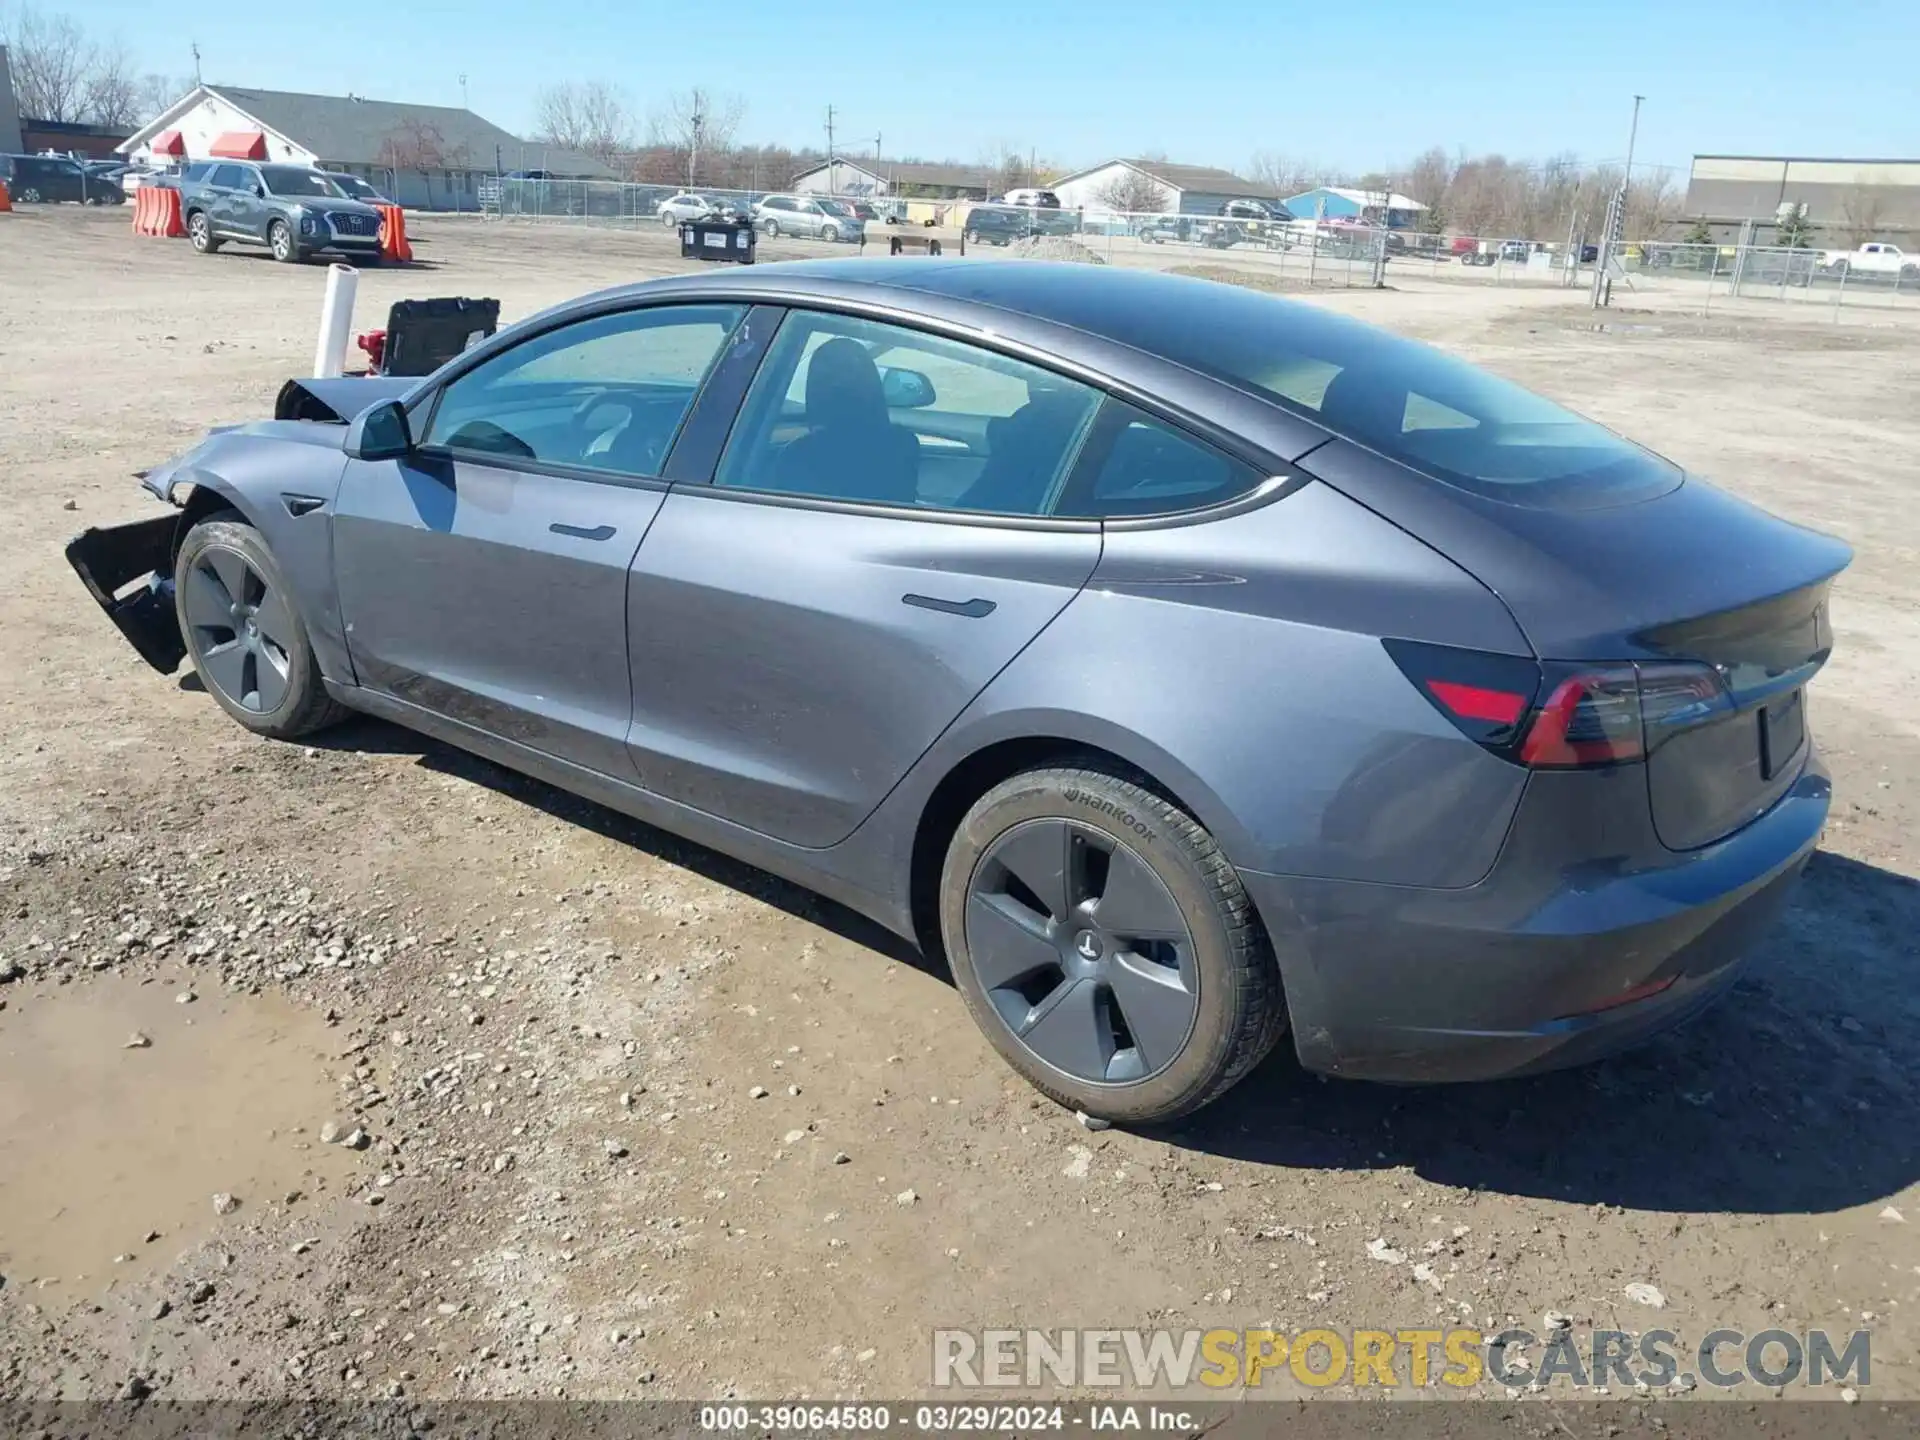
pixel 128 569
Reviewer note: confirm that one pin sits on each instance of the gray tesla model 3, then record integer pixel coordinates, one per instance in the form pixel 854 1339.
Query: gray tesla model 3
pixel 1185 665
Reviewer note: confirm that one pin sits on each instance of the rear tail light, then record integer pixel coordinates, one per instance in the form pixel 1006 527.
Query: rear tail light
pixel 1555 716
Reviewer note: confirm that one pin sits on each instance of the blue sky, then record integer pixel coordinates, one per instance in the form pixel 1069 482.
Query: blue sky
pixel 1356 86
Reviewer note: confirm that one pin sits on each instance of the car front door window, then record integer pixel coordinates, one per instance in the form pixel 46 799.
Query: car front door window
pixel 851 409
pixel 605 394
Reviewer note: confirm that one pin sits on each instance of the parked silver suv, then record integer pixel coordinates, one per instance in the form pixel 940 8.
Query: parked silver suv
pixel 817 216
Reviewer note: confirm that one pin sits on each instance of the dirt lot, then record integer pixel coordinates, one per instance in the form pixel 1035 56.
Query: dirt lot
pixel 549 1025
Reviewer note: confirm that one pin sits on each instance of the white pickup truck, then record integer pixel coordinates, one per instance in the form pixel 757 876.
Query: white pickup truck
pixel 1876 258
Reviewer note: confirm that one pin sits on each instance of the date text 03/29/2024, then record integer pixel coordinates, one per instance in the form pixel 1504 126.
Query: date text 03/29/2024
pixel 947 1419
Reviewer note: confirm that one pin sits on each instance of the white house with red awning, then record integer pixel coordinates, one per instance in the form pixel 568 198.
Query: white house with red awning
pixel 424 156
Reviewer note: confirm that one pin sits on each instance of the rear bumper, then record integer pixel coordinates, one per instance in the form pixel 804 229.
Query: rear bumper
pixel 1520 972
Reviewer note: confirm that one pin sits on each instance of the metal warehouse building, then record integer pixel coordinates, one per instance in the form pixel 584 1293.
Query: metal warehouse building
pixel 1867 197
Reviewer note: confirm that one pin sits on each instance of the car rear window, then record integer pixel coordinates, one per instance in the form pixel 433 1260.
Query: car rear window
pixel 1410 402
pixel 1418 405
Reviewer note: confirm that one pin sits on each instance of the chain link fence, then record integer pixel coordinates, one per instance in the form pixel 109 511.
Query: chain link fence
pixel 1292 253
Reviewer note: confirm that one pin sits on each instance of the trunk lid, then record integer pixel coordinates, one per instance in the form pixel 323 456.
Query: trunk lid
pixel 1693 576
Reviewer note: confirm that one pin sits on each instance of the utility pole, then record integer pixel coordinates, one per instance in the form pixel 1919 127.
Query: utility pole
pixel 1633 134
pixel 1615 228
pixel 693 147
pixel 463 91
pixel 833 184
pixel 194 46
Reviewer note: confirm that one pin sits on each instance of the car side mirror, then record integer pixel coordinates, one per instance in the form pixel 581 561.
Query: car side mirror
pixel 906 389
pixel 259 191
pixel 381 432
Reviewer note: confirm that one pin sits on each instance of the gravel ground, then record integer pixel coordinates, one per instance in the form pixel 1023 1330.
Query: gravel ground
pixel 510 1096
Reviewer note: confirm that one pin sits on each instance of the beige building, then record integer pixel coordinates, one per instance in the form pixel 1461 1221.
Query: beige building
pixel 1864 197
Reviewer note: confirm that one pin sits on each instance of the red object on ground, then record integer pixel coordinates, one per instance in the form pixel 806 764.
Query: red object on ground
pixel 240 145
pixel 156 212
pixel 6 196
pixel 374 342
pixel 169 142
pixel 393 233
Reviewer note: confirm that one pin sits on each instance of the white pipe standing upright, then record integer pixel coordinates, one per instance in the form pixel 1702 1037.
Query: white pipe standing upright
pixel 336 321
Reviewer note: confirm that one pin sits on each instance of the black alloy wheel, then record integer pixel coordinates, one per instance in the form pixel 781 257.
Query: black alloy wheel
pixel 241 631
pixel 1083 951
pixel 1105 944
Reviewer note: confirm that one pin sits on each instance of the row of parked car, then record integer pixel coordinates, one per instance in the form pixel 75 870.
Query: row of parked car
pixel 53 179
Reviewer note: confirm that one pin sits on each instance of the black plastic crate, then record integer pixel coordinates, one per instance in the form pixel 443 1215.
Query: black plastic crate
pixel 725 240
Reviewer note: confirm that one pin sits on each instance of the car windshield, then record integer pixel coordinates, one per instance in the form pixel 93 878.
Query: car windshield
pixel 352 185
pixel 834 207
pixel 297 180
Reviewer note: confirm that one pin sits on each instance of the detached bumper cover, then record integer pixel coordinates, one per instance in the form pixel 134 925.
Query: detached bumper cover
pixel 1519 973
pixel 128 571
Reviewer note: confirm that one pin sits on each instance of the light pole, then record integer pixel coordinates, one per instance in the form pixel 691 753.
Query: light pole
pixel 1633 134
pixel 1616 225
pixel 693 145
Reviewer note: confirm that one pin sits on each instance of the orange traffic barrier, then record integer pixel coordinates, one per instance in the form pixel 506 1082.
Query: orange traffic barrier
pixel 156 212
pixel 393 233
pixel 6 196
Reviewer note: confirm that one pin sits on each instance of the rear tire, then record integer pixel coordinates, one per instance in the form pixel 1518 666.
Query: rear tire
pixel 1125 974
pixel 30 196
pixel 247 641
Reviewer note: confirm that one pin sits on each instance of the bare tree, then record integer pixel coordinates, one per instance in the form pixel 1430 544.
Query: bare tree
pixel 1284 176
pixel 156 92
pixel 696 124
pixel 590 116
pixel 1863 210
pixel 416 144
pixel 113 90
pixel 52 60
pixel 1133 192
pixel 1427 180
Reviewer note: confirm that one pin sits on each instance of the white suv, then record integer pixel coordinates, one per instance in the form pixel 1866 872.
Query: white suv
pixel 818 216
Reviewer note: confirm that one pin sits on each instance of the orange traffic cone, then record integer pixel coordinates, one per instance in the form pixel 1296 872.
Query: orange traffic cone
pixel 393 233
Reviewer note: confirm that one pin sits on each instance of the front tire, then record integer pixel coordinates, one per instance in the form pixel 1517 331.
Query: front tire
pixel 1106 946
pixel 280 241
pixel 770 228
pixel 200 233
pixel 247 641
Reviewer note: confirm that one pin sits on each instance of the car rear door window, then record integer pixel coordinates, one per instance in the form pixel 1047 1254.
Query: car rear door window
pixel 606 393
pixel 227 177
pixel 1138 465
pixel 851 409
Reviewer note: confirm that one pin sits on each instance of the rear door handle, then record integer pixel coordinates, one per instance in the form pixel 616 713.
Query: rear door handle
pixel 581 532
pixel 975 609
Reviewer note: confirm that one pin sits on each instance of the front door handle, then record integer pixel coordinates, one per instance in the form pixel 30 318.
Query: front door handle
pixel 582 532
pixel 975 609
